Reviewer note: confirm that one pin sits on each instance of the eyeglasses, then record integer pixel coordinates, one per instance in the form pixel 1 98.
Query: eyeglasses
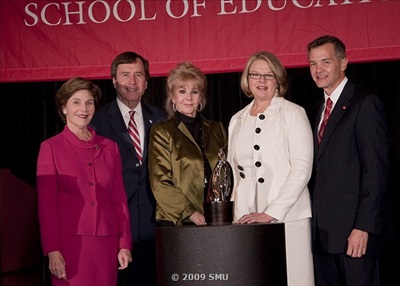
pixel 268 76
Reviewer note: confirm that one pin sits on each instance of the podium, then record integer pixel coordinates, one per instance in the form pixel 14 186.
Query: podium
pixel 236 254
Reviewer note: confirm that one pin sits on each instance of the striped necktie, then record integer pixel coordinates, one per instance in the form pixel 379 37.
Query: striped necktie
pixel 325 119
pixel 134 133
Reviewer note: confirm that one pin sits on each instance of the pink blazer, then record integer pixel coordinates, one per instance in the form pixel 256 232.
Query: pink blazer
pixel 81 190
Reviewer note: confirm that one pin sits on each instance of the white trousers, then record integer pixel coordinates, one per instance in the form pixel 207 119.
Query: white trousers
pixel 299 260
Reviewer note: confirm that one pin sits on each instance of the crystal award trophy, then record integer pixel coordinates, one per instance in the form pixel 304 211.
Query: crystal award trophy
pixel 218 209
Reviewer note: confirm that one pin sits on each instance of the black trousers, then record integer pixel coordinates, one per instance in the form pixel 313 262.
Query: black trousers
pixel 343 270
pixel 142 271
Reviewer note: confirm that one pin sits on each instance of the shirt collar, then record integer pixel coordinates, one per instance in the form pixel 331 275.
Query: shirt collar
pixel 336 93
pixel 125 110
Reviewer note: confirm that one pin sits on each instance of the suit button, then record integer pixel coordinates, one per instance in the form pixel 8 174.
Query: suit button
pixel 92 203
pixel 262 117
pixel 240 168
pixel 89 164
pixel 258 130
pixel 261 180
pixel 256 147
pixel 258 164
pixel 91 184
pixel 242 175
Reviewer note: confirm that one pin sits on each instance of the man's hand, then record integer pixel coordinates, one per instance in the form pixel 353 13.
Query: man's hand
pixel 357 243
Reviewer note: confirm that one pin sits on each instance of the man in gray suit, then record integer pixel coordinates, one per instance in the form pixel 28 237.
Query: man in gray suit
pixel 130 74
pixel 350 178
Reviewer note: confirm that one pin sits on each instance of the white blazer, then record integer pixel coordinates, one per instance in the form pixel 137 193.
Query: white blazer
pixel 275 180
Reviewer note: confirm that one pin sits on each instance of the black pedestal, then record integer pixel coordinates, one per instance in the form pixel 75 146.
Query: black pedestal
pixel 252 255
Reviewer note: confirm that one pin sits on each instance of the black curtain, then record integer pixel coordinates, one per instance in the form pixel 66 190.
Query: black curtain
pixel 28 114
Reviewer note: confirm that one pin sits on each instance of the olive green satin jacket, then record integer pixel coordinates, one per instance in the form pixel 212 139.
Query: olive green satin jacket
pixel 176 168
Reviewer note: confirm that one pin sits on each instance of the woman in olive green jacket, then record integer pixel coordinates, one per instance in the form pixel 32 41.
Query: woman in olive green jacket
pixel 184 149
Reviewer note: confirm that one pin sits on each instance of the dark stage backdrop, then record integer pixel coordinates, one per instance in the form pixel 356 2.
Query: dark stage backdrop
pixel 28 114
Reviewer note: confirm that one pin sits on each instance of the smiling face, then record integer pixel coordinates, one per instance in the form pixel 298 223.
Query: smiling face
pixel 79 109
pixel 326 69
pixel 186 97
pixel 263 88
pixel 130 83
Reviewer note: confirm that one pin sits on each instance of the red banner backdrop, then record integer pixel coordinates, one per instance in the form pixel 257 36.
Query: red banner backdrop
pixel 46 40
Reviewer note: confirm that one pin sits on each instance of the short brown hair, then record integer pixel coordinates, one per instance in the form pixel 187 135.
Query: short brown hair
pixel 69 88
pixel 128 58
pixel 338 45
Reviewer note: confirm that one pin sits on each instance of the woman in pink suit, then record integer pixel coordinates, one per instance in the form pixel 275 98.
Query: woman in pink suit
pixel 83 212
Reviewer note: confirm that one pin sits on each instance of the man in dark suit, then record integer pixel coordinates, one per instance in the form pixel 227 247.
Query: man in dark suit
pixel 130 74
pixel 350 176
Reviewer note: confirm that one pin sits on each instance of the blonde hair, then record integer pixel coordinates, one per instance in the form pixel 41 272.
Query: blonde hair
pixel 275 66
pixel 182 74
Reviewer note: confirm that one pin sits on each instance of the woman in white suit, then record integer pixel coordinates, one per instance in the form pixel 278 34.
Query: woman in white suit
pixel 271 153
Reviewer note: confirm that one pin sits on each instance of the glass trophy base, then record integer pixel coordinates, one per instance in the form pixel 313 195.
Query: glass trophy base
pixel 218 213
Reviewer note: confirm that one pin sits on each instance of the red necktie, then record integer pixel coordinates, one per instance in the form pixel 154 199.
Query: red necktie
pixel 134 133
pixel 328 107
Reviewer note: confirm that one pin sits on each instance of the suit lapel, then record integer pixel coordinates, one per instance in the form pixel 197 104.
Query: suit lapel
pixel 340 109
pixel 148 120
pixel 206 133
pixel 186 132
pixel 118 125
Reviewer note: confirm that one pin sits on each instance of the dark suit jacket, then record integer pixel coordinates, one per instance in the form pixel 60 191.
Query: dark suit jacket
pixel 349 182
pixel 108 122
